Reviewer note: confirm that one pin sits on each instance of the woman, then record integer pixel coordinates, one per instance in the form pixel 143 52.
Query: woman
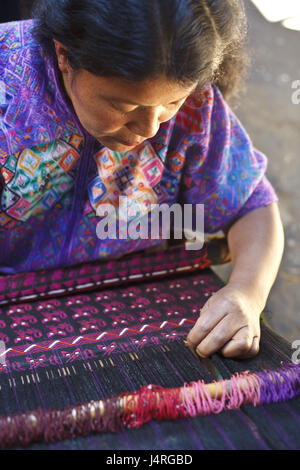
pixel 102 99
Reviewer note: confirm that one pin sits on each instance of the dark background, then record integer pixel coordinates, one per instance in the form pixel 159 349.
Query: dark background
pixel 15 10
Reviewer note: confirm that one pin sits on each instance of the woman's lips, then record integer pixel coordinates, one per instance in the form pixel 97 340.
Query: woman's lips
pixel 127 143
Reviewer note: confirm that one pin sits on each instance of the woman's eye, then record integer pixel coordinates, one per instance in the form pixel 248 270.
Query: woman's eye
pixel 121 111
pixel 124 112
pixel 177 103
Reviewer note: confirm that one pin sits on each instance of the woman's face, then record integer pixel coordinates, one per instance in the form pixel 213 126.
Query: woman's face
pixel 120 113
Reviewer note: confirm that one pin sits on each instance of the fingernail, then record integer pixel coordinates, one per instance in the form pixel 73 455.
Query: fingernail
pixel 200 353
pixel 190 347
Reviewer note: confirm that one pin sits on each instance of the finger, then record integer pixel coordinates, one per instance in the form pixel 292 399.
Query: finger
pixel 254 350
pixel 242 345
pixel 223 332
pixel 209 317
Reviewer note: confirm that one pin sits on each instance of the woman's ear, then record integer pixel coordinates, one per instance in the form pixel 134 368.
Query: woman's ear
pixel 61 53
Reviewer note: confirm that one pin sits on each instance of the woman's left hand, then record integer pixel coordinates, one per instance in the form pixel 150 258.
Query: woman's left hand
pixel 229 322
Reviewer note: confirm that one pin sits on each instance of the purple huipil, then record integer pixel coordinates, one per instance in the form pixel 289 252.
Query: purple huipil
pixel 55 176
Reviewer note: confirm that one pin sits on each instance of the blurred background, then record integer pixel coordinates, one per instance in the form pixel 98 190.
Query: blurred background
pixel 272 120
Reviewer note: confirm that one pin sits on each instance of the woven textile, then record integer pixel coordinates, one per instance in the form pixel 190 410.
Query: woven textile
pixel 68 350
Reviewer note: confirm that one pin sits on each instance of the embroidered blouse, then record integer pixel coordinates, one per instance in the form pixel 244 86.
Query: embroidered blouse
pixel 54 175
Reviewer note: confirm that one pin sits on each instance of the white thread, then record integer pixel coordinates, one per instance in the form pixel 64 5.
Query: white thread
pixel 116 279
pixel 158 273
pixel 77 339
pixel 143 327
pixel 30 347
pixel 4 353
pixel 100 336
pixel 51 345
pixel 122 332
pixel 59 291
pixel 184 268
pixel 135 276
pixel 27 297
pixel 84 286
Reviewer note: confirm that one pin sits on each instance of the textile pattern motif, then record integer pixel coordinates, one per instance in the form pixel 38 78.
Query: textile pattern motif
pixel 80 306
pixel 110 319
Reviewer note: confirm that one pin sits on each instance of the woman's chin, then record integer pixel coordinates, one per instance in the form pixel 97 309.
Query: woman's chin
pixel 117 146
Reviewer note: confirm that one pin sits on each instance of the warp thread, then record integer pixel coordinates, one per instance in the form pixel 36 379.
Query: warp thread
pixel 280 385
pixel 132 410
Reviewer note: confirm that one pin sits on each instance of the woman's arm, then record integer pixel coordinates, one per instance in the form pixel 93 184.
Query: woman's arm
pixel 256 243
pixel 229 321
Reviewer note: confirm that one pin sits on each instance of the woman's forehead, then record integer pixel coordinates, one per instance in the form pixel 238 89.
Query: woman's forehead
pixel 152 92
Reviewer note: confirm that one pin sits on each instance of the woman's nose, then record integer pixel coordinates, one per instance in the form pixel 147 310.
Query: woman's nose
pixel 146 123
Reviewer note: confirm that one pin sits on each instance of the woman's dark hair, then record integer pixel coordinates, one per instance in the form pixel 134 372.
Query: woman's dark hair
pixel 187 41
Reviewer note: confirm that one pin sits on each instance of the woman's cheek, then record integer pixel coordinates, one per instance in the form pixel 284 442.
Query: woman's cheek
pixel 110 122
pixel 98 124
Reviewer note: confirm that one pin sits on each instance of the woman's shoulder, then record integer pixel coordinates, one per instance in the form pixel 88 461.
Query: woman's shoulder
pixel 32 107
